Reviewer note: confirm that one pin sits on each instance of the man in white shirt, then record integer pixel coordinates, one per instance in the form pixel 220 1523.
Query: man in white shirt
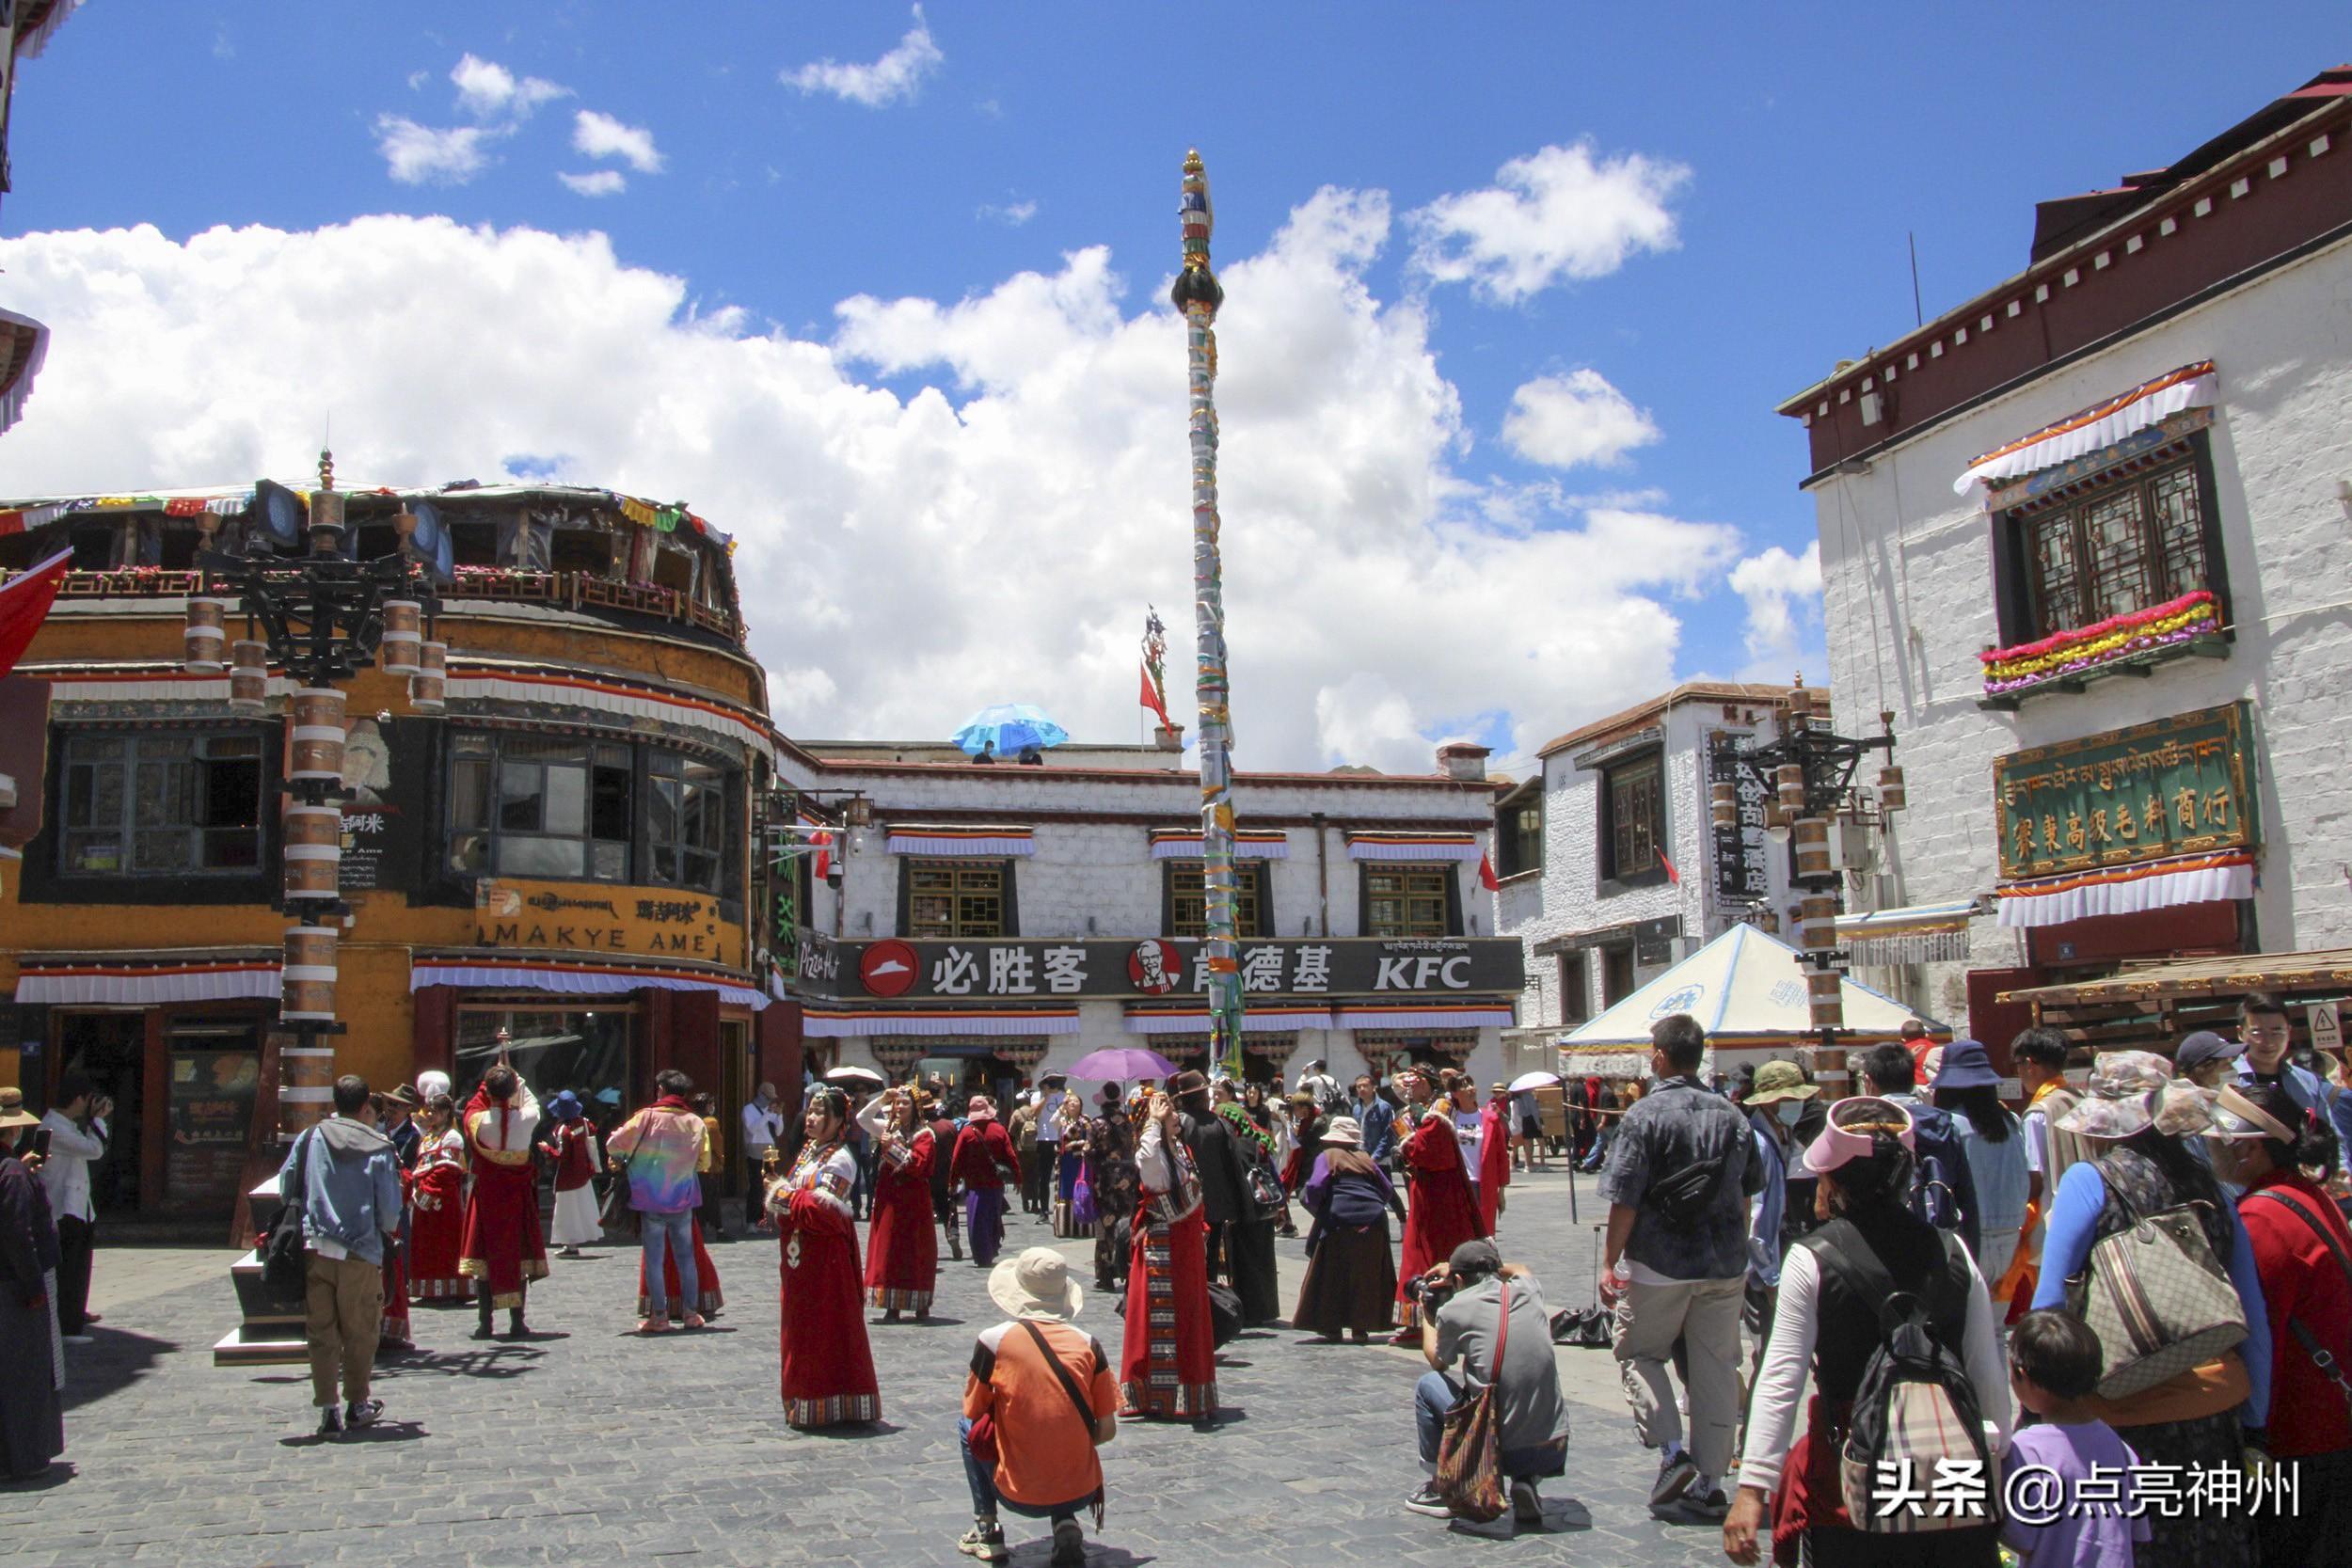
pixel 1048 1160
pixel 763 1126
pixel 76 1126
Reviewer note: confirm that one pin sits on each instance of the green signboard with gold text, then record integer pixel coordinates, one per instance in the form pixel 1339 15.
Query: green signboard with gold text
pixel 2179 786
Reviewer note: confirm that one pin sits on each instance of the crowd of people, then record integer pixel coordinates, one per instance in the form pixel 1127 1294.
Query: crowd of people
pixel 2135 1292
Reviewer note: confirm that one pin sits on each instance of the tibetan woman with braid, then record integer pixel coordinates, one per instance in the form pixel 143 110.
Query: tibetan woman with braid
pixel 828 1366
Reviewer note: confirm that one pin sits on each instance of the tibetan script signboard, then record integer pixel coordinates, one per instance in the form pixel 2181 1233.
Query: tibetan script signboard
pixel 1743 873
pixel 2178 786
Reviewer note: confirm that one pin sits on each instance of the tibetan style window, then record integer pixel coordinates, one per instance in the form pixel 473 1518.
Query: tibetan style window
pixel 1188 903
pixel 1407 900
pixel 686 829
pixel 2113 546
pixel 539 806
pixel 153 805
pixel 1634 818
pixel 1520 830
pixel 956 899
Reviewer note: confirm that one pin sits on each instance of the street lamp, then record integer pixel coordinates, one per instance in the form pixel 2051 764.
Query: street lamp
pixel 322 618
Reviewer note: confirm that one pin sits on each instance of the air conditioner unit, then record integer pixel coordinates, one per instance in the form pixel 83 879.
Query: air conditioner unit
pixel 1852 846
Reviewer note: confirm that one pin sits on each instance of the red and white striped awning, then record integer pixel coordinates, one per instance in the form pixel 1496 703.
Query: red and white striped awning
pixel 986 842
pixel 575 979
pixel 2102 424
pixel 1413 846
pixel 2227 874
pixel 142 980
pixel 23 344
pixel 1178 843
pixel 1483 1014
pixel 1268 1019
pixel 848 1023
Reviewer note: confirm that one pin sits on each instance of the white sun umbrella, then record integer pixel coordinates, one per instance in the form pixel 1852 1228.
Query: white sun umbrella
pixel 1533 1081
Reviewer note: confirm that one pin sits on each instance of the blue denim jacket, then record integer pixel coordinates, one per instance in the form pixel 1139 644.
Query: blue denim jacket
pixel 350 1185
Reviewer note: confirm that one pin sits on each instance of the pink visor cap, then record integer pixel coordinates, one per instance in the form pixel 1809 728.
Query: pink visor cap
pixel 1848 1134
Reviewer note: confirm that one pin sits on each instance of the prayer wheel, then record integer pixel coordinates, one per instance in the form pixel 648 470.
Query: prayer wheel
pixel 248 675
pixel 1816 923
pixel 1827 998
pixel 1722 804
pixel 326 516
pixel 308 974
pixel 317 748
pixel 306 1087
pixel 1829 1064
pixel 404 634
pixel 207 635
pixel 313 827
pixel 1790 777
pixel 1891 789
pixel 312 870
pixel 429 687
pixel 1811 837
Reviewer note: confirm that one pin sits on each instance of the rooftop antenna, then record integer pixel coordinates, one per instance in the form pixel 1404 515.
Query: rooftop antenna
pixel 1918 317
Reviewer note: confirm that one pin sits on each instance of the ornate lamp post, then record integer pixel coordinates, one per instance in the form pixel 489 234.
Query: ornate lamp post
pixel 321 618
pixel 1809 774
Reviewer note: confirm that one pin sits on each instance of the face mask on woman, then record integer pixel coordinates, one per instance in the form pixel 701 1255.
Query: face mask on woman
pixel 1789 1111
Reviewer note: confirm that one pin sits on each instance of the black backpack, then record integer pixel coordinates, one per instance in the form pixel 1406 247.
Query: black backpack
pixel 283 1269
pixel 1914 1410
pixel 1933 1197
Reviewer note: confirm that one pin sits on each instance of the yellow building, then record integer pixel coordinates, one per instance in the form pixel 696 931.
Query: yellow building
pixel 564 852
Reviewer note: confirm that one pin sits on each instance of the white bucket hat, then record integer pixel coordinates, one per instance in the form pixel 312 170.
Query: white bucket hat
pixel 1036 1284
pixel 1344 1130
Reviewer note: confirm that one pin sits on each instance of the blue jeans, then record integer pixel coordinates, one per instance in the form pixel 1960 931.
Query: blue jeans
pixel 983 1484
pixel 673 1235
pixel 1434 1395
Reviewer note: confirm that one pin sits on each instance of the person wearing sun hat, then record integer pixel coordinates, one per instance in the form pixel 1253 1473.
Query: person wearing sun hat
pixel 1351 1279
pixel 1049 1397
pixel 1991 1141
pixel 1833 1284
pixel 32 1420
pixel 2135 1117
pixel 1774 1106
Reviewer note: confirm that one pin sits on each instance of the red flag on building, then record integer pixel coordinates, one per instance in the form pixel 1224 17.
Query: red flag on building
pixel 824 855
pixel 1152 699
pixel 1487 877
pixel 1672 875
pixel 25 605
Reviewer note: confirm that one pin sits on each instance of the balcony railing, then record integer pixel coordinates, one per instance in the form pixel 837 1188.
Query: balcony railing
pixel 564 590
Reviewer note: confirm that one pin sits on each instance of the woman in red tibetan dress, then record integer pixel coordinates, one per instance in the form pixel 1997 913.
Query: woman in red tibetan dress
pixel 902 1245
pixel 501 1251
pixel 1168 1358
pixel 828 1365
pixel 1443 1214
pixel 437 1206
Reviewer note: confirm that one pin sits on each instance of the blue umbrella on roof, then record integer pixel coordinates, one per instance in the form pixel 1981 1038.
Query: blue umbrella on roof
pixel 1009 729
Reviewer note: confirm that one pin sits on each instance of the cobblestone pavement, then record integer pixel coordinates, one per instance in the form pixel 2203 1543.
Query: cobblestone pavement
pixel 586 1443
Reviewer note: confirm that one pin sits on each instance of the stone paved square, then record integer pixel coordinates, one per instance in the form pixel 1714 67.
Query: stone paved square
pixel 587 1443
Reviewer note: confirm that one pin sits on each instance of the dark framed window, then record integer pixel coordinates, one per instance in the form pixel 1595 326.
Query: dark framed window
pixel 1576 1003
pixel 2111 546
pixel 1187 903
pixel 158 804
pixel 1520 830
pixel 526 805
pixel 686 821
pixel 1616 974
pixel 1634 818
pixel 1409 900
pixel 956 898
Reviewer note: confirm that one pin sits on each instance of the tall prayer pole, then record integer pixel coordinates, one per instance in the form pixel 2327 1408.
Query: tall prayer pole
pixel 1197 294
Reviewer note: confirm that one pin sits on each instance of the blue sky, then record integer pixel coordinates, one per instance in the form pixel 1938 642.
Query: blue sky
pixel 1750 176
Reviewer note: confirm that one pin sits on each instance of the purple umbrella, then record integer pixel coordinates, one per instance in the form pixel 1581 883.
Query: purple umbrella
pixel 1120 1063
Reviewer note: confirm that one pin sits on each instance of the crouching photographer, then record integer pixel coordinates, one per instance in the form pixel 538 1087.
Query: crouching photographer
pixel 1462 1322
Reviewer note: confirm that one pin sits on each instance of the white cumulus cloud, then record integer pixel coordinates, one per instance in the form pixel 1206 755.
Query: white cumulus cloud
pixel 987 527
pixel 1784 597
pixel 897 77
pixel 603 181
pixel 600 135
pixel 1558 213
pixel 487 90
pixel 1563 420
pixel 418 154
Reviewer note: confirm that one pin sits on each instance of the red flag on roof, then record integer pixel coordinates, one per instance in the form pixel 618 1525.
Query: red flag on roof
pixel 1487 877
pixel 1672 875
pixel 25 605
pixel 1151 697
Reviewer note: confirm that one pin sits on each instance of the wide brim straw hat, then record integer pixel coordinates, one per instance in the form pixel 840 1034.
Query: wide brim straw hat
pixel 12 1111
pixel 1343 1130
pixel 1036 1284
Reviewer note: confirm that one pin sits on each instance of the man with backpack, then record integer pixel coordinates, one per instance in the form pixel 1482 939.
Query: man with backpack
pixel 345 1179
pixel 1943 1193
pixel 1675 1261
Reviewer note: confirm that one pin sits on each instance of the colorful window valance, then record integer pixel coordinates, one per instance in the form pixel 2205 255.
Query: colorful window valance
pixel 1413 846
pixel 2101 424
pixel 988 842
pixel 1180 844
pixel 1195 1020
pixel 208 975
pixel 1423 1015
pixel 2128 889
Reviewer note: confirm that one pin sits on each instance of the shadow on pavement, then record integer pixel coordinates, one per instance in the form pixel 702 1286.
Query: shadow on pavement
pixel 383 1432
pixel 48 1481
pixel 497 1362
pixel 115 1361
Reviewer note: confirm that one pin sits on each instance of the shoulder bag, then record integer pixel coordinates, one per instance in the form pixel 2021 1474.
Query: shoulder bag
pixel 2159 1300
pixel 1078 1401
pixel 2323 1358
pixel 1470 1450
pixel 283 1271
pixel 613 1211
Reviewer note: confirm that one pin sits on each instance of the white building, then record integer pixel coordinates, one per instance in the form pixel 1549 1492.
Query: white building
pixel 1611 868
pixel 998 921
pixel 2088 536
